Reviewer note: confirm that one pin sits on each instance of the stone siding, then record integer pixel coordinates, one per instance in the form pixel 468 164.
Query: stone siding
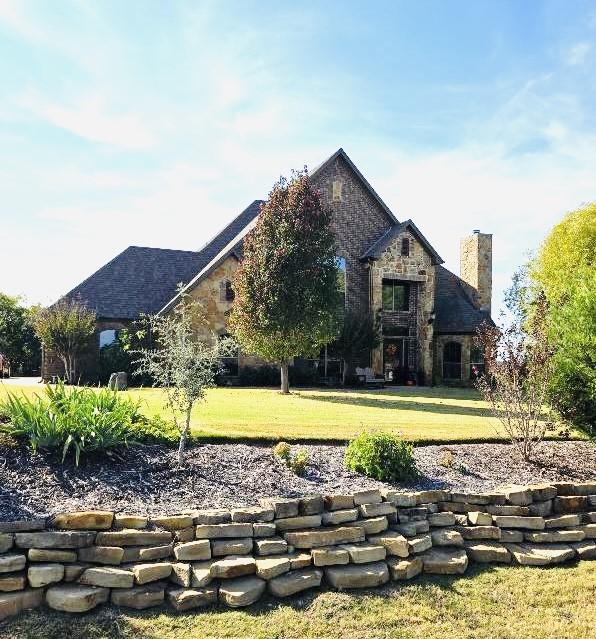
pixel 476 267
pixel 358 221
pixel 416 269
pixel 75 561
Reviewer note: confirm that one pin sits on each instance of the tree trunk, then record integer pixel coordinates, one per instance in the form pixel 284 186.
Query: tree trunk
pixel 184 436
pixel 285 381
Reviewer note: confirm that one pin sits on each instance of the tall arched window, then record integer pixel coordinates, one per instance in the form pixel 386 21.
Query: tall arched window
pixel 452 360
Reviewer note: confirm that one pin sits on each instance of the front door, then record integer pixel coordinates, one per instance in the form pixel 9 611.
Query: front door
pixel 395 366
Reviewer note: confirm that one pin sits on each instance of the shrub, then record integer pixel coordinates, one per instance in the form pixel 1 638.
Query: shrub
pixel 446 458
pixel 282 450
pixel 78 420
pixel 298 463
pixel 383 456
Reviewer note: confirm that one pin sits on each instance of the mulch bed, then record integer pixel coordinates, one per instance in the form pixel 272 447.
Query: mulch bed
pixel 146 480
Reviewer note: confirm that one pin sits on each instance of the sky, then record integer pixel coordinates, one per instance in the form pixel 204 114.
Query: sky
pixel 154 123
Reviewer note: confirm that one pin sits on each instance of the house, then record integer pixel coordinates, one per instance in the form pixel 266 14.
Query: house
pixel 429 316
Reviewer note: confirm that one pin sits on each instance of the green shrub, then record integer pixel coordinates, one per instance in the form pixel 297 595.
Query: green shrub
pixel 298 462
pixel 382 456
pixel 78 420
pixel 282 450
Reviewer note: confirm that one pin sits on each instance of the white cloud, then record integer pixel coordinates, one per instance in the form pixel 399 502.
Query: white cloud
pixel 578 53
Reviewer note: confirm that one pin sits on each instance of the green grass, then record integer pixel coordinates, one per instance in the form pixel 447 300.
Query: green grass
pixel 491 603
pixel 420 414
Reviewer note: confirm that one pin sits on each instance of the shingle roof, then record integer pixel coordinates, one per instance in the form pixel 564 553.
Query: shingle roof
pixel 143 280
pixel 454 310
pixel 376 250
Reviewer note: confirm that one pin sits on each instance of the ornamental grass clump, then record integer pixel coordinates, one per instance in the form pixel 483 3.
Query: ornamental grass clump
pixel 77 420
pixel 383 456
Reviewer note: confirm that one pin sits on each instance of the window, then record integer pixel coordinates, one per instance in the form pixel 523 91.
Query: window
pixel 107 337
pixel 405 247
pixel 396 295
pixel 341 277
pixel 452 360
pixel 230 364
pixel 336 190
pixel 476 361
pixel 226 292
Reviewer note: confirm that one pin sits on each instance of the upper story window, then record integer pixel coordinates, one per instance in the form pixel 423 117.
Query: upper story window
pixel 226 292
pixel 337 190
pixel 107 337
pixel 341 276
pixel 405 246
pixel 396 295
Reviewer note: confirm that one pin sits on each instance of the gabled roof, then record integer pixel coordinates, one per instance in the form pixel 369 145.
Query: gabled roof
pixel 454 310
pixel 138 280
pixel 376 250
pixel 341 153
pixel 143 280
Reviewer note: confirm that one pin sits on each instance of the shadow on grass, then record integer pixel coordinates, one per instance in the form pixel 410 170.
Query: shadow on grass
pixel 109 622
pixel 369 400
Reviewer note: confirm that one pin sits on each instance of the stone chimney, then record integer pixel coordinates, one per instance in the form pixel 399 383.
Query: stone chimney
pixel 476 266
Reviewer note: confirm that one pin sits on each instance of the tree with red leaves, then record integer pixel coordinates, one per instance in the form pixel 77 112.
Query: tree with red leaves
pixel 287 301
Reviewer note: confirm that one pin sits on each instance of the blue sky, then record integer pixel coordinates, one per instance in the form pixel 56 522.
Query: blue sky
pixel 155 123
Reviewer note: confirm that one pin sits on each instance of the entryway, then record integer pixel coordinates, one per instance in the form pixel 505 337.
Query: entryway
pixel 395 360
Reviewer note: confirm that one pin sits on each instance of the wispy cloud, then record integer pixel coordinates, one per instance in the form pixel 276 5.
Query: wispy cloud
pixel 578 53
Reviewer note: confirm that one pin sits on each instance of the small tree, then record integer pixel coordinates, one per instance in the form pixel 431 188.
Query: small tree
pixel 359 334
pixel 185 361
pixel 65 328
pixel 18 342
pixel 287 296
pixel 518 368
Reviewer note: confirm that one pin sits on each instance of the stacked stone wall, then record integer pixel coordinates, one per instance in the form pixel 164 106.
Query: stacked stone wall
pixel 75 561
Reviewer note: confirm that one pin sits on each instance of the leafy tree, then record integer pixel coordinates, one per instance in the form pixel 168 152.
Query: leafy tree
pixel 66 328
pixel 18 342
pixel 185 360
pixel 287 297
pixel 565 269
pixel 518 369
pixel 359 334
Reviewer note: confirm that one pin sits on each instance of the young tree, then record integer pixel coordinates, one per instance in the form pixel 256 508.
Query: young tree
pixel 18 342
pixel 359 334
pixel 185 361
pixel 287 298
pixel 518 369
pixel 65 328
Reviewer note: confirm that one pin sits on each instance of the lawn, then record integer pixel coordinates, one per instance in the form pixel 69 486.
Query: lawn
pixel 489 603
pixel 419 414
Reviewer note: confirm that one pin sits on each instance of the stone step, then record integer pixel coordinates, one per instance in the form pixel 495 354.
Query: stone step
pixel 402 569
pixel 138 597
pixel 357 575
pixel 295 581
pixel 75 597
pixel 443 561
pixel 238 593
pixel 540 555
pixel 189 598
pixel 487 552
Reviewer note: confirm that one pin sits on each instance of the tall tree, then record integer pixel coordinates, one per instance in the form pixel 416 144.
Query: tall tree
pixel 18 342
pixel 565 270
pixel 287 299
pixel 66 328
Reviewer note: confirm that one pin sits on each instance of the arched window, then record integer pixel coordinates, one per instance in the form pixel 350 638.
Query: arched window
pixel 452 360
pixel 341 265
pixel 107 337
pixel 226 292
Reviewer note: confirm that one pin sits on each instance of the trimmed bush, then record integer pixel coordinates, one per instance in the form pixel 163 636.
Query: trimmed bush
pixel 282 450
pixel 79 420
pixel 298 462
pixel 383 456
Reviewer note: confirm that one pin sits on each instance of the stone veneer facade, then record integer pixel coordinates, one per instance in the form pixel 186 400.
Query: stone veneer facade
pixel 74 561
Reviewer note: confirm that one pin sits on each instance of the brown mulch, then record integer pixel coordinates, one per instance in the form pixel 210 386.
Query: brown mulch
pixel 146 480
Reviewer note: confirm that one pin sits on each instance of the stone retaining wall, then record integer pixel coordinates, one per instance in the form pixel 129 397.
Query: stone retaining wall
pixel 74 561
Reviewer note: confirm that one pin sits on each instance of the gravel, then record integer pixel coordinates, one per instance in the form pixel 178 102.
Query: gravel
pixel 145 479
